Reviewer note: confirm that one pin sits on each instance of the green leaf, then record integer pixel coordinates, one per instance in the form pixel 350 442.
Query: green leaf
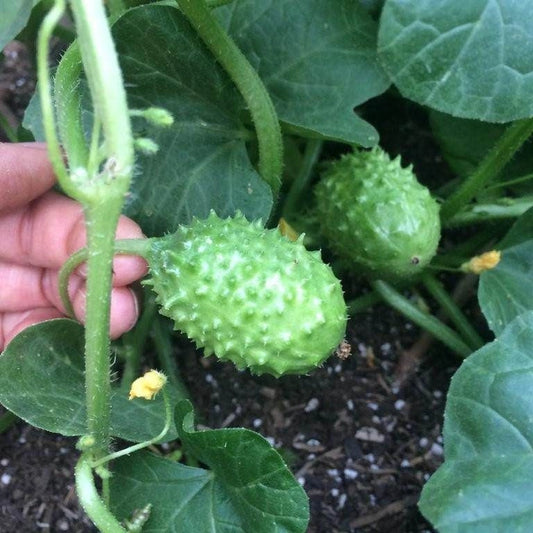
pixel 471 59
pixel 42 382
pixel 485 481
pixel 316 58
pixel 15 15
pixel 202 163
pixel 464 143
pixel 506 291
pixel 182 498
pixel 249 488
pixel 264 492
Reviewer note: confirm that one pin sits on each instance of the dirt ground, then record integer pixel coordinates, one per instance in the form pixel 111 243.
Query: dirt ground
pixel 361 447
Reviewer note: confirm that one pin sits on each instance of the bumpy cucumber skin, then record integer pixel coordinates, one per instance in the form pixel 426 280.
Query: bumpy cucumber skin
pixel 249 295
pixel 376 215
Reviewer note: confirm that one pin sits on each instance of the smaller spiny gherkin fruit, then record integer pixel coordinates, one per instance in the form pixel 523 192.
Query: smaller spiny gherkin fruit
pixel 376 215
pixel 249 295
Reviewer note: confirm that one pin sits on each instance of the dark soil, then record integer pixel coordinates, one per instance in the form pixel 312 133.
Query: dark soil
pixel 361 448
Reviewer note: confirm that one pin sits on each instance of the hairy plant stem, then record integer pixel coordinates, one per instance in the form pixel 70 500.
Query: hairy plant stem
pixel 107 90
pixel 103 199
pixel 47 106
pixel 426 321
pixel 91 501
pixel 511 140
pixel 101 220
pixel 249 84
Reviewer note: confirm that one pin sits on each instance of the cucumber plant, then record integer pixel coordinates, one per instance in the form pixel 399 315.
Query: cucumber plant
pixel 191 118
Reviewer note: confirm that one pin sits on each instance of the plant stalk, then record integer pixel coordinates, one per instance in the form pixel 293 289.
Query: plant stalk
pixel 249 84
pixel 107 89
pixel 452 310
pixel 91 501
pixel 426 321
pixel 101 220
pixel 510 141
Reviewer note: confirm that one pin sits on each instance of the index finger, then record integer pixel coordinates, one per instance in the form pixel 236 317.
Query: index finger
pixel 25 173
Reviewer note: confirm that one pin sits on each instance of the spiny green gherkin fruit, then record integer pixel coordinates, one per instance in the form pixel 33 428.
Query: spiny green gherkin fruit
pixel 249 295
pixel 376 215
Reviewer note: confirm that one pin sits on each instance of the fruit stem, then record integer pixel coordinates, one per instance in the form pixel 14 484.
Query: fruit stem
pixel 502 152
pixel 452 310
pixel 249 84
pixel 90 499
pixel 426 321
pixel 312 152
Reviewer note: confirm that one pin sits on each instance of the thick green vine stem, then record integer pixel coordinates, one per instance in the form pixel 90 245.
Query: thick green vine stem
pixel 508 144
pixel 122 247
pixel 107 89
pixel 249 84
pixel 426 321
pixel 90 499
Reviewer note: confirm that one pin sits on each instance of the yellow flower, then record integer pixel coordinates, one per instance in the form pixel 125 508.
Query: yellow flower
pixel 482 262
pixel 148 385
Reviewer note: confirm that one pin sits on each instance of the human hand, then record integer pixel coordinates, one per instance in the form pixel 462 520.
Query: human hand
pixel 39 230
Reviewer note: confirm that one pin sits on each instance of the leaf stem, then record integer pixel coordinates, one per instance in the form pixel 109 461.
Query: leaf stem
pixel 249 84
pixel 91 501
pixel 510 141
pixel 45 91
pixel 452 310
pixel 426 321
pixel 139 446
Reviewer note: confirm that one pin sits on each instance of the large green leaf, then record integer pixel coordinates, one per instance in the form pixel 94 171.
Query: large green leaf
pixel 42 382
pixel 15 15
pixel 485 482
pixel 182 498
pixel 249 488
pixel 506 291
pixel 202 163
pixel 317 59
pixel 471 59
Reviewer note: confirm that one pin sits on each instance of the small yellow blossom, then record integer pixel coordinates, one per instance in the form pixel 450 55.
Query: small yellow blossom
pixel 287 230
pixel 148 385
pixel 482 262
